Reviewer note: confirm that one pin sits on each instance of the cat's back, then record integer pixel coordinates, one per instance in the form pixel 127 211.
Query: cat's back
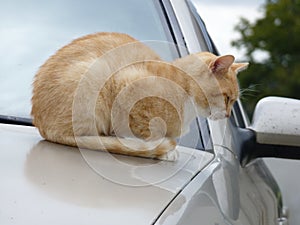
pixel 83 50
pixel 76 57
pixel 93 45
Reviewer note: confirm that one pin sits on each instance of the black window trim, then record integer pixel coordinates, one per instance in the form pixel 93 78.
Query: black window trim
pixel 16 120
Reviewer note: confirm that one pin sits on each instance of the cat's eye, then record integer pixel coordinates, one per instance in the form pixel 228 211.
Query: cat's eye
pixel 227 99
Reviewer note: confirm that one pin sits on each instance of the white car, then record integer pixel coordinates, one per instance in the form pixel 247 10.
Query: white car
pixel 219 178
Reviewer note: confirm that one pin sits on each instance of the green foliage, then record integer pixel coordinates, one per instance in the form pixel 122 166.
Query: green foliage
pixel 277 35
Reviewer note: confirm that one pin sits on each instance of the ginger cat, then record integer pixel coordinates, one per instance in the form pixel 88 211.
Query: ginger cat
pixel 108 91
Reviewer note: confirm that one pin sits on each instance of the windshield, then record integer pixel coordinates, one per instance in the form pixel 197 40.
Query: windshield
pixel 31 31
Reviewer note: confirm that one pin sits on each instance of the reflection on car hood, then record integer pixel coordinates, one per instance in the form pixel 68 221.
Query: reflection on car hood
pixel 46 183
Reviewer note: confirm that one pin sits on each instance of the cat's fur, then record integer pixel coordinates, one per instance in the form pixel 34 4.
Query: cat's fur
pixel 109 91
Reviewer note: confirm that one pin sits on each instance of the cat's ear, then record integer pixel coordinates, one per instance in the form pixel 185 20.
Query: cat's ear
pixel 238 67
pixel 222 64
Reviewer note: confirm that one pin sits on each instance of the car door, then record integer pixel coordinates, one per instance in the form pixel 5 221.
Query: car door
pixel 225 192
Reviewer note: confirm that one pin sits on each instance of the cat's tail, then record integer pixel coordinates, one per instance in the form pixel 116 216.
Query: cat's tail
pixel 163 149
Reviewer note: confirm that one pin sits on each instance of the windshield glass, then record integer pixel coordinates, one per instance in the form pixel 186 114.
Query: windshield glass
pixel 31 31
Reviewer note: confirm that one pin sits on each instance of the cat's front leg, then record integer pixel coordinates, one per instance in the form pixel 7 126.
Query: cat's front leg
pixel 167 150
pixel 171 155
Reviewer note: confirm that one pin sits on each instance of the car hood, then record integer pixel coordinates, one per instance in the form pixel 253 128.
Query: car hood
pixel 47 183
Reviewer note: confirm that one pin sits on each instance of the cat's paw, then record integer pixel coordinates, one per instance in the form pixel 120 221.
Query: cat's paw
pixel 169 156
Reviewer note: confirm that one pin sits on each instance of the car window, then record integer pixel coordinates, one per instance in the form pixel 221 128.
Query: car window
pixel 31 31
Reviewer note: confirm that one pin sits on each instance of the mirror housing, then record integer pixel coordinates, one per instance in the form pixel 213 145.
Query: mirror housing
pixel 276 121
pixel 274 132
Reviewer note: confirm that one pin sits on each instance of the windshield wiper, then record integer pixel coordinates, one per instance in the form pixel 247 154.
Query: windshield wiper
pixel 16 120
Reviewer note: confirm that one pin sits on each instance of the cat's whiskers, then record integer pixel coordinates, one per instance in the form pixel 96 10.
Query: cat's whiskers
pixel 250 91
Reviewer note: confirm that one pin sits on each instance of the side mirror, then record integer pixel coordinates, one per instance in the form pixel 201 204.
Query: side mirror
pixel 275 130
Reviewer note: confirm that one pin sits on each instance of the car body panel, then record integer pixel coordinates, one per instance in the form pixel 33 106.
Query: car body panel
pixel 223 193
pixel 259 194
pixel 47 183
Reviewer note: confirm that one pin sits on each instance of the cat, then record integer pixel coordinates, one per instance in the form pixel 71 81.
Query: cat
pixel 108 91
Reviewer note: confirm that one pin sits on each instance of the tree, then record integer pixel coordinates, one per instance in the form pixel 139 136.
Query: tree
pixel 277 36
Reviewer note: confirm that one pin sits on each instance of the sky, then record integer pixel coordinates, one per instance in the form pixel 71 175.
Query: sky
pixel 221 16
